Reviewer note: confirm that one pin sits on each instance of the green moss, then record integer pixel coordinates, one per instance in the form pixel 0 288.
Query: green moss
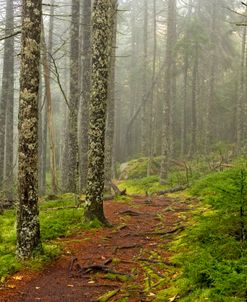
pixel 118 277
pixel 137 168
pixel 107 296
pixel 211 255
pixel 54 223
pixel 142 186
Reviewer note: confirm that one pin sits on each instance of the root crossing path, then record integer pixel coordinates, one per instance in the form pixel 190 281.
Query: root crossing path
pixel 124 263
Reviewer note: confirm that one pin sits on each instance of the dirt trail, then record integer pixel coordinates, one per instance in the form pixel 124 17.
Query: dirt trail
pixel 123 249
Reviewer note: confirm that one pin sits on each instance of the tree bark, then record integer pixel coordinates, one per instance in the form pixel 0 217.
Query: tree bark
pixel 74 99
pixel 101 50
pixel 145 107
pixel 28 228
pixel 9 74
pixel 7 96
pixel 86 74
pixel 152 107
pixel 110 125
pixel 166 132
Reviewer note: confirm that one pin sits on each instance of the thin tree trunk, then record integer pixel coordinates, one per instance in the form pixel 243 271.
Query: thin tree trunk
pixel 40 135
pixel 9 74
pixel 193 147
pixel 145 107
pixel 28 227
pixel 152 109
pixel 209 120
pixel 7 91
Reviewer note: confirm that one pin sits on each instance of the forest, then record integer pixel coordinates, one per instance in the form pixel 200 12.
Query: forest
pixel 123 156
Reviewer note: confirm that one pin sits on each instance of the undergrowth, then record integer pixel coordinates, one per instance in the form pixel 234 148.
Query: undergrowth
pixel 55 222
pixel 212 253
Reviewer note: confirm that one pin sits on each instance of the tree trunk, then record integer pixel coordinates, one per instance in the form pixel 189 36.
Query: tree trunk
pixel 9 74
pixel 28 228
pixel 7 96
pixel 145 107
pixel 74 99
pixel 152 109
pixel 110 126
pixel 209 120
pixel 166 132
pixel 101 50
pixel 47 80
pixel 193 147
pixel 86 74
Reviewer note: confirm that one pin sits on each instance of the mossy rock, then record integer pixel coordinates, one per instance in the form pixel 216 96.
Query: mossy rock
pixel 137 168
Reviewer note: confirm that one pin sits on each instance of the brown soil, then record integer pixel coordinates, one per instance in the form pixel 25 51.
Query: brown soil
pixel 131 244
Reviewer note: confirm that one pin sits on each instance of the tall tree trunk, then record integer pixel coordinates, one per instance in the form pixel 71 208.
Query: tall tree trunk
pixel 193 147
pixel 101 49
pixel 110 125
pixel 47 118
pixel 74 98
pixel 166 132
pixel 152 109
pixel 86 74
pixel 145 107
pixel 209 119
pixel 47 80
pixel 7 96
pixel 40 135
pixel 9 74
pixel 131 136
pixel 28 228
pixel 241 100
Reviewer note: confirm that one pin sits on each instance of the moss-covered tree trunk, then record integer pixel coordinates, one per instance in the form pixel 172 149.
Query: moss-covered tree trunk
pixel 28 229
pixel 7 95
pixel 110 125
pixel 86 74
pixel 101 50
pixel 74 99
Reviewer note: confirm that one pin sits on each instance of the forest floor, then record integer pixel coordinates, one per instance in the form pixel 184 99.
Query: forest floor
pixel 128 262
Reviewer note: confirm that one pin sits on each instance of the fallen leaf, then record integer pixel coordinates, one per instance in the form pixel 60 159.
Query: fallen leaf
pixel 173 298
pixel 11 286
pixel 18 278
pixel 151 295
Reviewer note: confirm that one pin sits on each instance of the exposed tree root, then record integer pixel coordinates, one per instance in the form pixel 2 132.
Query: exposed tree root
pixel 84 270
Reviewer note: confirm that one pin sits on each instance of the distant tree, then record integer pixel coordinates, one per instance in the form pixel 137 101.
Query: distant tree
pixel 8 90
pixel 169 77
pixel 28 227
pixel 7 99
pixel 101 50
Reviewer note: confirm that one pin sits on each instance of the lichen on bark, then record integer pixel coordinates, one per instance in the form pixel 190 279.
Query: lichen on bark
pixel 101 50
pixel 28 228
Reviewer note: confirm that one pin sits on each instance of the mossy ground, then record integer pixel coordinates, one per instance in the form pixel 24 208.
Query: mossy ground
pixel 54 224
